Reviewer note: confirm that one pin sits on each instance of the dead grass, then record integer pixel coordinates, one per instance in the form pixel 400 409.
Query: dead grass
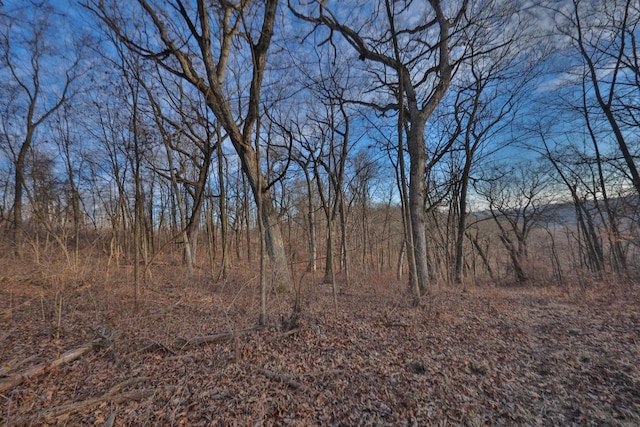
pixel 484 356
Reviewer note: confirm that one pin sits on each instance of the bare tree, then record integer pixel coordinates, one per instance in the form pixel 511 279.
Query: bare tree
pixel 26 49
pixel 365 171
pixel 222 197
pixel 605 36
pixel 518 197
pixel 189 139
pixel 196 43
pixel 570 174
pixel 487 98
pixel 321 151
pixel 420 55
pixel 43 190
pixel 73 165
pixel 304 161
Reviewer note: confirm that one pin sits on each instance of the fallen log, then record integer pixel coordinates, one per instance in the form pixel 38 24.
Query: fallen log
pixel 182 343
pixel 69 356
pixel 62 412
pixel 187 343
pixel 111 396
pixel 14 364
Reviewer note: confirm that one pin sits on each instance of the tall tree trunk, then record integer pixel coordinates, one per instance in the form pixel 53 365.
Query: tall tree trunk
pixel 17 203
pixel 245 221
pixel 224 217
pixel 270 220
pixel 619 262
pixel 365 231
pixel 595 255
pixel 462 220
pixel 20 164
pixel 515 258
pixel 408 243
pixel 311 220
pixel 417 169
pixel 482 253
pixel 136 252
pixel 328 263
pixel 344 254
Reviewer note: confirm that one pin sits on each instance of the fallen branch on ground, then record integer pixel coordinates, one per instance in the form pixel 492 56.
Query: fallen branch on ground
pixel 14 364
pixel 155 346
pixel 182 343
pixel 285 379
pixel 394 325
pixel 186 343
pixel 15 379
pixel 111 396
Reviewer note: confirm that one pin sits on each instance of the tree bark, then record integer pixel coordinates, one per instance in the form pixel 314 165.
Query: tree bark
pixel 462 220
pixel 224 217
pixel 278 259
pixel 311 219
pixel 417 170
pixel 18 195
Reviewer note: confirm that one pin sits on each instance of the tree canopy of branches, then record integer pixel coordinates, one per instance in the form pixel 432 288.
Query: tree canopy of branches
pixel 348 137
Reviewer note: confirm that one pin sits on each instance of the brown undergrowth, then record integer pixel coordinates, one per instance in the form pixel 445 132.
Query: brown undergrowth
pixel 191 355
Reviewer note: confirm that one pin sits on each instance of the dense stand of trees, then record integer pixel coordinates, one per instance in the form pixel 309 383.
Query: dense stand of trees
pixel 457 141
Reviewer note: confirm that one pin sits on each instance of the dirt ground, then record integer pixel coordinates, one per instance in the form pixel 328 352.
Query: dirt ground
pixel 486 356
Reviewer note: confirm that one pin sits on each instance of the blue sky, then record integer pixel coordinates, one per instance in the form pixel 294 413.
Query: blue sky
pixel 78 21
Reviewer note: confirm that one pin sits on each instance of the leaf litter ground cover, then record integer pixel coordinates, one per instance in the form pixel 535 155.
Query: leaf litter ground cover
pixel 192 356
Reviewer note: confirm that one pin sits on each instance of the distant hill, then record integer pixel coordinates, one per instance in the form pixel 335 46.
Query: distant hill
pixel 565 213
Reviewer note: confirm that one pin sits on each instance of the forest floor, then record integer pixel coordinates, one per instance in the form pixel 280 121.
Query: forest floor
pixel 484 356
